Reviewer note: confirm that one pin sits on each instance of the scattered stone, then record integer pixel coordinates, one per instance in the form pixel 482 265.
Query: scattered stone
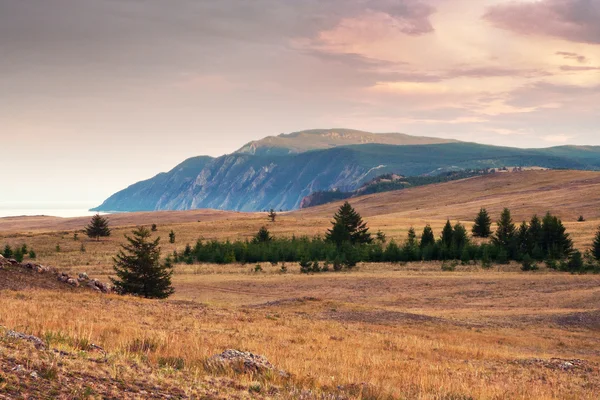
pixel 37 342
pixel 34 375
pixel 18 368
pixel 83 277
pixel 557 364
pixel 243 362
pixel 73 282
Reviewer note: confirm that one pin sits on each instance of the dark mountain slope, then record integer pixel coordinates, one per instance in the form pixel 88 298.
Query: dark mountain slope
pixel 246 182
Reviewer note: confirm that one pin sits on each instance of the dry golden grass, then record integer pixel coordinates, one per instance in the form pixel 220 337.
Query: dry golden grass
pixel 406 331
pixel 408 334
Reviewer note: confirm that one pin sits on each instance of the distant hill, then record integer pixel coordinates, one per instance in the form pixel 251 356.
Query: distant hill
pixel 269 179
pixel 319 139
pixel 388 183
pixel 567 194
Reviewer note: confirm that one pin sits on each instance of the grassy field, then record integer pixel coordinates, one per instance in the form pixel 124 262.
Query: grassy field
pixel 380 331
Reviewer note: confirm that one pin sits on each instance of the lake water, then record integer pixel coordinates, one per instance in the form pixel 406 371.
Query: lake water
pixel 65 210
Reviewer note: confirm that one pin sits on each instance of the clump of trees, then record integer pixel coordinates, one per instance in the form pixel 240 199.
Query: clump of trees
pixel 139 269
pixel 98 227
pixel 349 242
pixel 18 253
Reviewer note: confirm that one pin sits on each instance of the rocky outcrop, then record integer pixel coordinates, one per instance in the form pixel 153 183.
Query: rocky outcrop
pixel 81 280
pixel 243 362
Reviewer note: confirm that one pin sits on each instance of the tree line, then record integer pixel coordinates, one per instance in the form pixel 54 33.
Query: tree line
pixel 140 271
pixel 349 242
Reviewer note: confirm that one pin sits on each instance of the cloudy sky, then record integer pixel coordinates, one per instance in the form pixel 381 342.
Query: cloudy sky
pixel 97 94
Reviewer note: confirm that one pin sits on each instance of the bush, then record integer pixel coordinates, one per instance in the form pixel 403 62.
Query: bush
pixel 305 266
pixel 449 266
pixel 528 264
pixel 575 263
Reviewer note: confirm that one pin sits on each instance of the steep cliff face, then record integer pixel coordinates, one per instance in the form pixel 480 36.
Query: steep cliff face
pixel 249 182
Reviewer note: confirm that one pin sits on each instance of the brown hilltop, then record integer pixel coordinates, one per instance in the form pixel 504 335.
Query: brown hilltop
pixel 566 193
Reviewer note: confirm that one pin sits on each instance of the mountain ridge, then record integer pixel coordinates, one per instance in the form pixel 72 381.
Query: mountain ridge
pixel 319 139
pixel 254 182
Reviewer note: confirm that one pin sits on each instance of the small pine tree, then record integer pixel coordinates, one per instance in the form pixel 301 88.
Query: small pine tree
pixel 32 254
pixel 381 237
pixel 596 246
pixel 348 226
pixel 138 268
pixel 154 228
pixel 262 236
pixel 575 263
pixel 75 237
pixel 272 215
pixel 8 252
pixel 58 248
pixel 98 227
pixel 522 236
pixel 483 224
pixel 171 237
pixel 411 239
pixel 460 238
pixel 506 232
pixel 427 238
pixel 447 234
pixel 555 242
pixel 18 255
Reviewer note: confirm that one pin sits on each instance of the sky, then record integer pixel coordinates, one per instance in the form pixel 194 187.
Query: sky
pixel 98 94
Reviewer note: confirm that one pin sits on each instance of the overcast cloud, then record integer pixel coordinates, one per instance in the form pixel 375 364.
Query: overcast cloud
pixel 97 94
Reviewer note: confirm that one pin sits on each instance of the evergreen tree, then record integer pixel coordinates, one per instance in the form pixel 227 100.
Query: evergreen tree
pixel 263 236
pixel 555 242
pixel 483 224
pixel 171 237
pixel 8 252
pixel 524 246
pixel 272 215
pixel 18 255
pixel 447 234
pixel 505 234
pixel 460 238
pixel 596 246
pixel 98 227
pixel 427 238
pixel 534 235
pixel 575 262
pixel 138 267
pixel 411 248
pixel 412 237
pixel 348 226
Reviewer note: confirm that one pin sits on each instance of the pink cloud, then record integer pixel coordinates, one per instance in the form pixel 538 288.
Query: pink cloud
pixel 573 20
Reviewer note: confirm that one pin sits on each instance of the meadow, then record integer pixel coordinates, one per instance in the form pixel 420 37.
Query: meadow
pixel 401 331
